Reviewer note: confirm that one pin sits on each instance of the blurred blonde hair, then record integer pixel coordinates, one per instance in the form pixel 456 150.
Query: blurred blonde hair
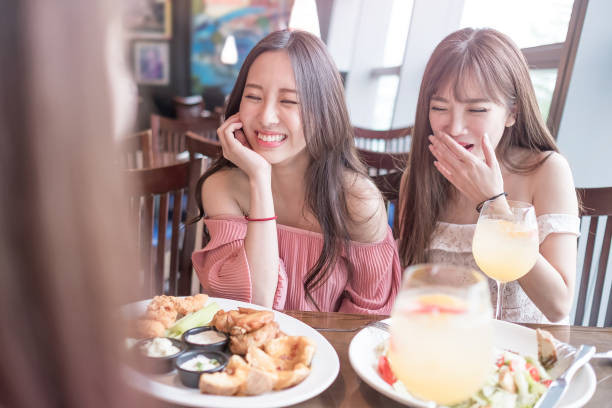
pixel 64 249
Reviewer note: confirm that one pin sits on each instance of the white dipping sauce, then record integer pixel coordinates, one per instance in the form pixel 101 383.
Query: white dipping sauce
pixel 160 347
pixel 200 363
pixel 206 337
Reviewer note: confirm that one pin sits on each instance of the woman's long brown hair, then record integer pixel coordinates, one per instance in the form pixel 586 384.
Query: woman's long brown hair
pixel 66 263
pixel 490 59
pixel 329 141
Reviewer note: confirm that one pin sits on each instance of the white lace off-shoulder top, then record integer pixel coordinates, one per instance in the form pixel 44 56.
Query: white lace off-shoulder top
pixel 452 243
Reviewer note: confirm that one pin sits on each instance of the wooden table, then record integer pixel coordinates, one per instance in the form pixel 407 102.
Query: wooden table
pixel 349 391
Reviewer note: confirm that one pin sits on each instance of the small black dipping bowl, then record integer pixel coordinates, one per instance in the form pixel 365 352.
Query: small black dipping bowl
pixel 192 378
pixel 218 346
pixel 157 365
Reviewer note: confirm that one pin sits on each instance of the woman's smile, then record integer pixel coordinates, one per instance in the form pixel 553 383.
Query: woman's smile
pixel 270 139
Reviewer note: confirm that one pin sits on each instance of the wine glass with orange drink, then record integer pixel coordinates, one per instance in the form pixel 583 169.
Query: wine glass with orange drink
pixel 441 344
pixel 505 244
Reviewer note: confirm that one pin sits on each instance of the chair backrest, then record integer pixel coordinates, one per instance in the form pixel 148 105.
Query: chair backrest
pixel 207 151
pixel 389 184
pixel 136 151
pixel 379 163
pixel 153 192
pixel 393 140
pixel 188 107
pixel 169 134
pixel 596 204
pixel 196 144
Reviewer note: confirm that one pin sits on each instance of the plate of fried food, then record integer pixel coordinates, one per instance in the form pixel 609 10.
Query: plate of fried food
pixel 272 359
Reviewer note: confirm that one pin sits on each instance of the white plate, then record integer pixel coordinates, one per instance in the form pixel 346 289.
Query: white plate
pixel 168 387
pixel 506 336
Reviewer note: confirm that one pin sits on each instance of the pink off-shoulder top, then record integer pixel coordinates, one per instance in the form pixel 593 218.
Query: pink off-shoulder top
pixel 364 280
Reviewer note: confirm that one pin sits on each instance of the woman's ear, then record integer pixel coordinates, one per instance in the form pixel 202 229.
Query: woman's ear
pixel 511 119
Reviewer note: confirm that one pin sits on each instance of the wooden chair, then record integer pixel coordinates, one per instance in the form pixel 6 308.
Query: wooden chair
pixel 393 141
pixel 202 152
pixel 389 184
pixel 379 163
pixel 151 190
pixel 169 134
pixel 188 107
pixel 596 204
pixel 136 151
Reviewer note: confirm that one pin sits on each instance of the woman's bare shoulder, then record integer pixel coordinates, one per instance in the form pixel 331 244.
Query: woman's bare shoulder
pixel 553 186
pixel 223 192
pixel 368 217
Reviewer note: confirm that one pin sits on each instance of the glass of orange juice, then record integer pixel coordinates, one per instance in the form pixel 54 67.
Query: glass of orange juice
pixel 506 243
pixel 441 345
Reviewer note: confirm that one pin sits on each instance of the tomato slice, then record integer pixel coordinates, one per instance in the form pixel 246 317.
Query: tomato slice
pixel 533 372
pixel 384 369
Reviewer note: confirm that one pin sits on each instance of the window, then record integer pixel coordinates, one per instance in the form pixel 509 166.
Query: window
pixel 540 35
pixel 529 23
pixel 544 84
pixel 387 83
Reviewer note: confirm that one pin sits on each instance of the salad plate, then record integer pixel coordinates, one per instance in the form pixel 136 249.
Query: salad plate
pixel 167 387
pixel 507 336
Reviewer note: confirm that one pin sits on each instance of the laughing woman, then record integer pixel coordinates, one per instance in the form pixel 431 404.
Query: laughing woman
pixel 478 133
pixel 294 222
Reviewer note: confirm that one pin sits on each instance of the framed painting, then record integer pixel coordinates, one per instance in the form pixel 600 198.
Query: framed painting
pixel 151 63
pixel 149 19
pixel 215 24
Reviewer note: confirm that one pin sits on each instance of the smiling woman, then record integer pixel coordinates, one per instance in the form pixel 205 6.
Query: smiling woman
pixel 479 134
pixel 294 221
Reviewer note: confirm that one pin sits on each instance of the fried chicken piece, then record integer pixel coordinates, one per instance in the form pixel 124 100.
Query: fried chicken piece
pixel 165 316
pixel 249 320
pixel 163 310
pixel 258 381
pixel 289 378
pixel 240 343
pixel 238 378
pixel 547 352
pixel 227 382
pixel 291 351
pixel 285 378
pixel 221 321
pixel 190 304
pixel 241 321
pixel 149 328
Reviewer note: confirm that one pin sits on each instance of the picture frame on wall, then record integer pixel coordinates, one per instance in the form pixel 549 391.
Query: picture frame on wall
pixel 151 63
pixel 149 19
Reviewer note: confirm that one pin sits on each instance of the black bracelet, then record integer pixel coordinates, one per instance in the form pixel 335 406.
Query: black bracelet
pixel 479 206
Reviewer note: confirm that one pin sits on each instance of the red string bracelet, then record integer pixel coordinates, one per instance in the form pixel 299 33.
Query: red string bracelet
pixel 246 217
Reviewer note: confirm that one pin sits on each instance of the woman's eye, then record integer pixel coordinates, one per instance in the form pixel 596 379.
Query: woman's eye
pixel 253 97
pixel 437 108
pixel 289 101
pixel 478 110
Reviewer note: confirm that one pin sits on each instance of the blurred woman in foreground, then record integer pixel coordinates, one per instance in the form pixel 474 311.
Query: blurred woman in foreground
pixel 63 251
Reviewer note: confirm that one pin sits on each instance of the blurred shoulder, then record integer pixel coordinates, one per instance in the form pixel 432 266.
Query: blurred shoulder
pixel 224 192
pixel 367 214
